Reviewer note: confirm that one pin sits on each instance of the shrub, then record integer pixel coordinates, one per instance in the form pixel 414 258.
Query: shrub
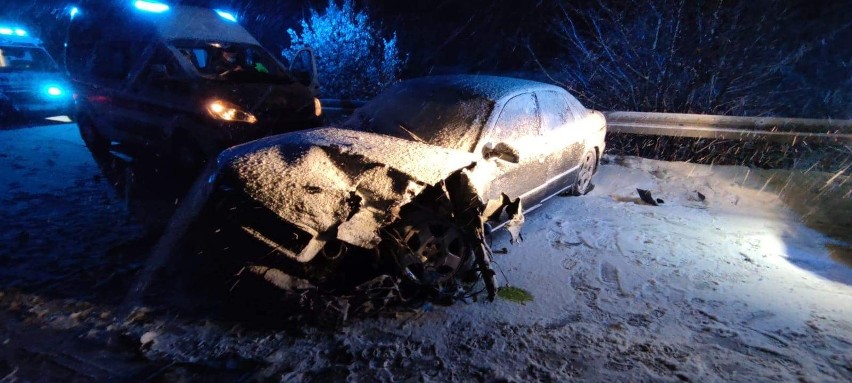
pixel 353 61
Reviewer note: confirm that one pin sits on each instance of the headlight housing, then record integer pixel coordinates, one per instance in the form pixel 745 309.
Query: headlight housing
pixel 225 111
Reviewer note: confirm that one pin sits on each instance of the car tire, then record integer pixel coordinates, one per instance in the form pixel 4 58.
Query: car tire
pixel 94 140
pixel 588 165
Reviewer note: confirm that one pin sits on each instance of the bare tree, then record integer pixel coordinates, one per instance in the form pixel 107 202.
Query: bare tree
pixel 705 56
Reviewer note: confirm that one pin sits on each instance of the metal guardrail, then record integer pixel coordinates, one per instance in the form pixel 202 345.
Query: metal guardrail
pixel 774 129
pixel 341 105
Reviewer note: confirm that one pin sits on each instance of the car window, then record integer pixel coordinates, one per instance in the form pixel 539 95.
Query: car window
pixel 30 59
pixel 114 60
pixel 163 58
pixel 519 118
pixel 577 108
pixel 555 110
pixel 429 114
pixel 233 62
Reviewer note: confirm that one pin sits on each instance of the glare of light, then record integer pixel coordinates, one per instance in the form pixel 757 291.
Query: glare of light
pixel 74 11
pixel 20 32
pixel 226 15
pixel 217 107
pixel 62 118
pixel 225 111
pixel 149 6
pixel 317 107
pixel 54 91
pixel 6 31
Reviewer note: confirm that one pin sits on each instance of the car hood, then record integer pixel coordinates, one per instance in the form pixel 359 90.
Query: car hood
pixel 331 180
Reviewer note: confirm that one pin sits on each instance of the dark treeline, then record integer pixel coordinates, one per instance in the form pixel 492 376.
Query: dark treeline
pixel 739 57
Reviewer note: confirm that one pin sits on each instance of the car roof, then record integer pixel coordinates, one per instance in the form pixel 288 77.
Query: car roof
pixel 494 88
pixel 188 22
pixel 178 22
pixel 28 40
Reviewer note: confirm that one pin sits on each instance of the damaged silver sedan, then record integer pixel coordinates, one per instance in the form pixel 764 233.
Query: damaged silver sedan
pixel 411 186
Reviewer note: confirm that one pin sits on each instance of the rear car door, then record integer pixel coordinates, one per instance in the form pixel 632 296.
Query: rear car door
pixel 563 134
pixel 517 129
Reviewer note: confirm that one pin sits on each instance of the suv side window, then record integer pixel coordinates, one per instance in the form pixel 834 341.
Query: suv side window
pixel 114 60
pixel 162 58
pixel 519 118
pixel 555 111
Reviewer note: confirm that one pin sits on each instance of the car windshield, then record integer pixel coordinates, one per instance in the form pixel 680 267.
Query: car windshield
pixel 31 59
pixel 435 116
pixel 233 62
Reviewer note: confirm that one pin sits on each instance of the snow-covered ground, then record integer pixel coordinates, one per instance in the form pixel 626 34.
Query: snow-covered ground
pixel 729 287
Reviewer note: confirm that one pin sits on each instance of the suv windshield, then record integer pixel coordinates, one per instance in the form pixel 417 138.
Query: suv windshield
pixel 233 62
pixel 16 59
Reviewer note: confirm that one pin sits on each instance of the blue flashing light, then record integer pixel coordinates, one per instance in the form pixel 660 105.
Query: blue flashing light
pixel 20 32
pixel 6 31
pixel 54 91
pixel 149 6
pixel 227 15
pixel 74 12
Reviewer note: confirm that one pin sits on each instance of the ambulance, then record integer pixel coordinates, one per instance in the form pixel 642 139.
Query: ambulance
pixel 32 85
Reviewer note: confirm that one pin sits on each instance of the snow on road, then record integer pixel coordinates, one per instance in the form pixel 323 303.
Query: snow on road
pixel 59 215
pixel 729 287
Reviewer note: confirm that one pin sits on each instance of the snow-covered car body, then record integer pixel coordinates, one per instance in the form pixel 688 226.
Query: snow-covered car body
pixel 478 145
pixel 31 84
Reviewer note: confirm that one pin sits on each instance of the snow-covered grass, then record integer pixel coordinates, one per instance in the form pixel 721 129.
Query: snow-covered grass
pixel 731 287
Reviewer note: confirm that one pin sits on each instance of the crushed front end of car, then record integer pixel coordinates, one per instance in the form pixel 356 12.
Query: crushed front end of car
pixel 336 209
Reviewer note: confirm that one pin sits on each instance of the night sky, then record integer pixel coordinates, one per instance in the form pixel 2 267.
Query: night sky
pixel 480 36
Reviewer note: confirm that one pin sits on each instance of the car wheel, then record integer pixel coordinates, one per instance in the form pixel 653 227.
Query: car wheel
pixel 583 184
pixel 96 142
pixel 431 252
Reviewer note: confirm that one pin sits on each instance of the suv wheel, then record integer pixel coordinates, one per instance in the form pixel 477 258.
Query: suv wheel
pixel 96 142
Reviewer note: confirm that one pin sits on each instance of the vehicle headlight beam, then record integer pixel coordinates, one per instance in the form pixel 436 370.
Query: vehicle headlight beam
pixel 225 111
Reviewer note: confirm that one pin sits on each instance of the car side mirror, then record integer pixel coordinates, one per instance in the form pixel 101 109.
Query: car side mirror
pixel 500 151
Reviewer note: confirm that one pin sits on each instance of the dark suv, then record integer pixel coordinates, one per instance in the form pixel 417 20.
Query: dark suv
pixel 179 82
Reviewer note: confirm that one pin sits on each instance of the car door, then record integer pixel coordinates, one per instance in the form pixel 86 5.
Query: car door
pixel 159 92
pixel 303 66
pixel 564 135
pixel 515 146
pixel 106 72
pixel 119 63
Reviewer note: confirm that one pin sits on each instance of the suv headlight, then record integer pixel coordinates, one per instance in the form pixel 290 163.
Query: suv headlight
pixel 223 110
